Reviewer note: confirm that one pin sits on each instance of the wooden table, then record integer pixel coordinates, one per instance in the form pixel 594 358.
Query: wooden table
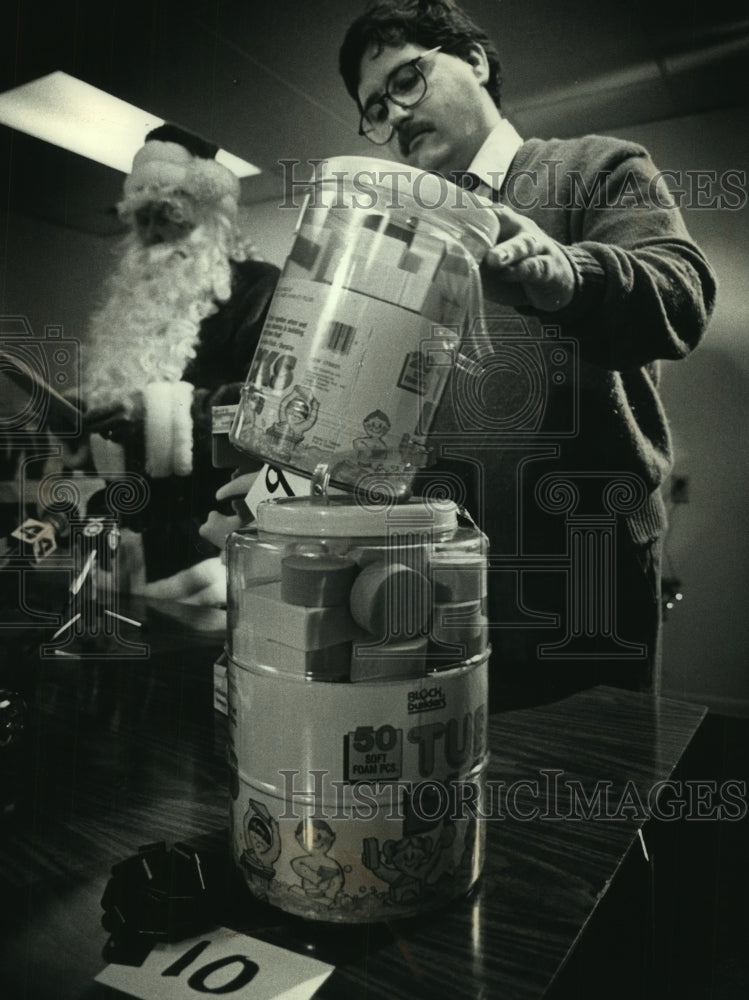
pixel 123 753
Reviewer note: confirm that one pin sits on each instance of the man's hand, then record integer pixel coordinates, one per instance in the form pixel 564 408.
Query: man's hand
pixel 528 258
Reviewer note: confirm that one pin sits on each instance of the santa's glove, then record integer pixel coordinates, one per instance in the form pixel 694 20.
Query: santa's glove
pixel 204 583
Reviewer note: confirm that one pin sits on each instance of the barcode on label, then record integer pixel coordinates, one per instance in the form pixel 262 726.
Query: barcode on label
pixel 341 337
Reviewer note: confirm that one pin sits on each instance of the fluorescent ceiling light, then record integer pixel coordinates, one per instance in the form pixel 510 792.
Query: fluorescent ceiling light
pixel 88 121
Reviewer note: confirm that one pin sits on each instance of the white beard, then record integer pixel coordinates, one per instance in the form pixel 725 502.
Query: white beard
pixel 147 329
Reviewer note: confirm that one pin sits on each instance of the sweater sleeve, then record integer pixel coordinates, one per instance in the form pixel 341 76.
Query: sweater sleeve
pixel 644 291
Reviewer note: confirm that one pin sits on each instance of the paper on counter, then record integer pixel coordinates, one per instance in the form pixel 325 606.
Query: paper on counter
pixel 276 974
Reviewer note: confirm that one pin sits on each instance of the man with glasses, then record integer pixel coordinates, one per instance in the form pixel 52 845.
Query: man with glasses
pixel 592 253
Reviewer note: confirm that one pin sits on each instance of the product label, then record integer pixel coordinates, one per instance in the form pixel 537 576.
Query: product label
pixel 344 378
pixel 426 699
pixel 222 417
pixel 351 813
pixel 373 754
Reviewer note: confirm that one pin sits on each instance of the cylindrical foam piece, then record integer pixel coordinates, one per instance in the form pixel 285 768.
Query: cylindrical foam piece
pixel 391 600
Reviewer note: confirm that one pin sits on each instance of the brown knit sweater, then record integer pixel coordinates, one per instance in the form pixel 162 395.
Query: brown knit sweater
pixel 644 292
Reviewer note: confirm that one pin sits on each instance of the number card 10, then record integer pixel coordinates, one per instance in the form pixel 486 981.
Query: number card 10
pixel 222 963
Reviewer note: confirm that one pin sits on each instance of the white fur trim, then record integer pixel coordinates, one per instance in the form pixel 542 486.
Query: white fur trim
pixel 156 149
pixel 182 428
pixel 158 428
pixel 211 181
pixel 161 168
pixel 156 177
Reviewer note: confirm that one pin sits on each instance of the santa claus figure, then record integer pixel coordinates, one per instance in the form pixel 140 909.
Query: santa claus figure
pixel 174 336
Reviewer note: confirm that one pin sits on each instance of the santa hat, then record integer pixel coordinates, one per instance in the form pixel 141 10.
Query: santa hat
pixel 172 162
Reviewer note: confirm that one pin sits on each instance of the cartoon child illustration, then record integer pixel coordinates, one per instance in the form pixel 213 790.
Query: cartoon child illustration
pixel 263 847
pixel 409 864
pixel 373 447
pixel 322 877
pixel 297 413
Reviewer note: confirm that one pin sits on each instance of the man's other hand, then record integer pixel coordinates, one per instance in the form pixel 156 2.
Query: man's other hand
pixel 527 267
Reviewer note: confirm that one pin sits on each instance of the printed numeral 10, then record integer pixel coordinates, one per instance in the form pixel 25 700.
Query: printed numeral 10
pixel 197 981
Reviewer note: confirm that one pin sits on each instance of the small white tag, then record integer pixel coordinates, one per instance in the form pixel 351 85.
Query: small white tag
pixel 222 418
pixel 220 962
pixel 273 483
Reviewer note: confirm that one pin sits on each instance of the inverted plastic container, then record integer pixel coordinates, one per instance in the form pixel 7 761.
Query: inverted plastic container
pixel 357 691
pixel 363 330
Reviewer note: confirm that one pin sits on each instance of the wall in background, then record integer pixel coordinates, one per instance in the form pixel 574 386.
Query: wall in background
pixel 706 637
pixel 51 274
pixel 270 227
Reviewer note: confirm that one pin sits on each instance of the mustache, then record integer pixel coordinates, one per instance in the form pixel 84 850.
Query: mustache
pixel 407 131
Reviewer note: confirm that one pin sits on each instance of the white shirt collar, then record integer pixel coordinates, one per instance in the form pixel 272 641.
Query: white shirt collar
pixel 493 160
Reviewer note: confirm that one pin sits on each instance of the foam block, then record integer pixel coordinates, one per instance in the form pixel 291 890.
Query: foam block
pixel 304 252
pixel 395 660
pixel 330 257
pixel 415 291
pixel 458 579
pixel 377 280
pixel 263 610
pixel 368 240
pixel 459 631
pixel 391 600
pixel 430 249
pixel 263 564
pixel 433 306
pixel 402 234
pixel 341 220
pixel 317 581
pixel 410 262
pixel 328 663
pixel 458 622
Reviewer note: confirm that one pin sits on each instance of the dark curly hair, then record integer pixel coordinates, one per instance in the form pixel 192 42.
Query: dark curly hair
pixel 425 22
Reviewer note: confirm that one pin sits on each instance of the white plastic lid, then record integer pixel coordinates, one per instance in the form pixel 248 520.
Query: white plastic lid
pixel 345 517
pixel 357 180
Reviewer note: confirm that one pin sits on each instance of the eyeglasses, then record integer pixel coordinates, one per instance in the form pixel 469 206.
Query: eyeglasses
pixel 405 86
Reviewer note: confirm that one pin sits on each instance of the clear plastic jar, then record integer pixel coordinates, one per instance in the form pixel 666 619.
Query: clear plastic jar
pixel 379 286
pixel 357 671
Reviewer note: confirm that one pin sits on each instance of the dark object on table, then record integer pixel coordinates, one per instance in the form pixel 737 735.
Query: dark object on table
pixel 12 718
pixel 160 895
pixel 13 723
